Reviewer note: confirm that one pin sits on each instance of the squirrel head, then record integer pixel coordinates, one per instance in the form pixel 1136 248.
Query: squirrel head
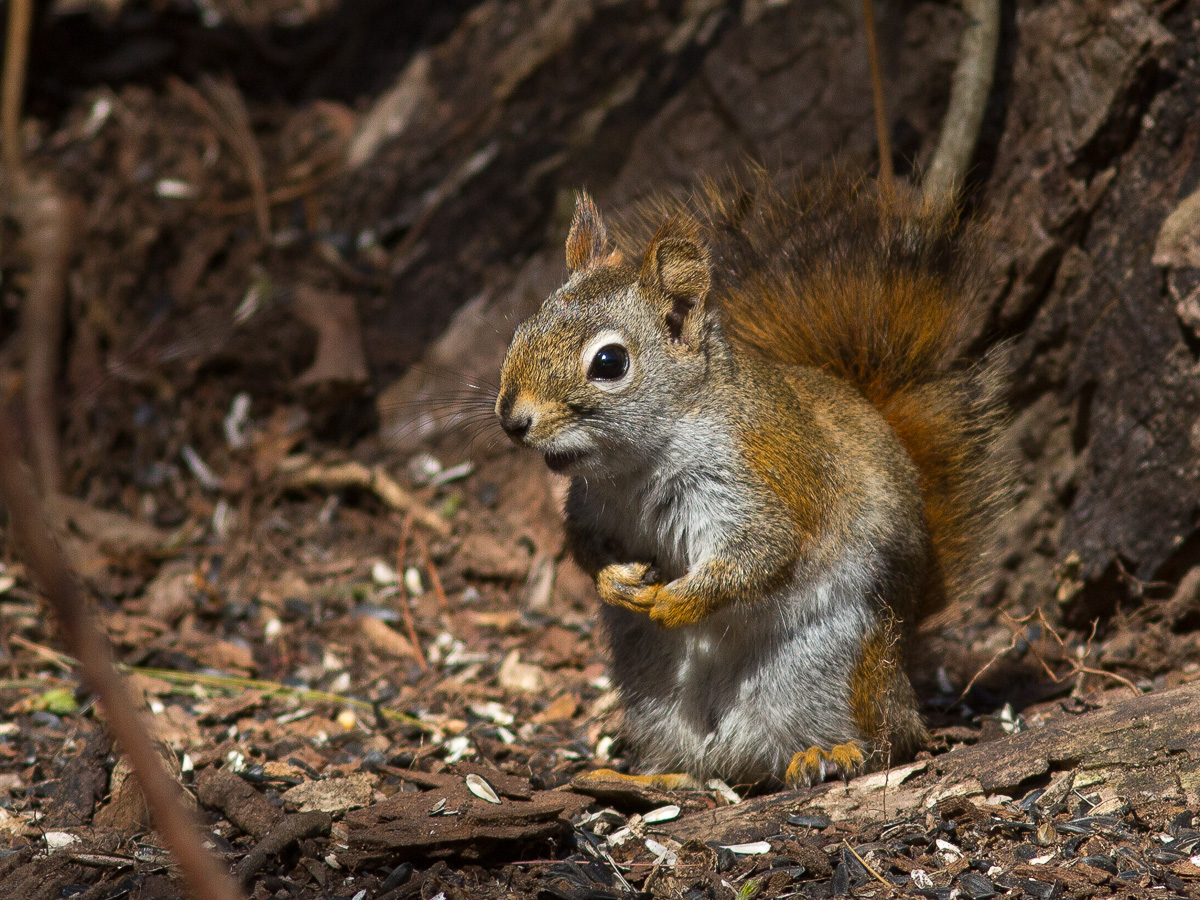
pixel 596 379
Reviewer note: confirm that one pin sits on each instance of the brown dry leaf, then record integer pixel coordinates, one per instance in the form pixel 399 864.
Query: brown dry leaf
pixel 142 685
pixel 306 756
pixel 274 594
pixel 250 729
pixel 132 631
pixel 314 728
pixel 383 639
pixel 1186 868
pixel 217 654
pixel 112 532
pixel 228 709
pixel 227 655
pixel 483 556
pixel 178 729
pixel 340 356
pixel 13 824
pixel 284 429
pixel 171 594
pixel 277 770
pixel 561 647
pixel 561 710
pixel 317 137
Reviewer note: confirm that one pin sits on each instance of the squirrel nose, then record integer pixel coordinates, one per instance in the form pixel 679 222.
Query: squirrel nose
pixel 516 427
pixel 515 418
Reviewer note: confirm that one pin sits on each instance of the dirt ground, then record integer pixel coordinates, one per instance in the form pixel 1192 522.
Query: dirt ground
pixel 304 231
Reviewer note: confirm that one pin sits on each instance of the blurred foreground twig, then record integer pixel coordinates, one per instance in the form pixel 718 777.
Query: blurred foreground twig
pixel 45 218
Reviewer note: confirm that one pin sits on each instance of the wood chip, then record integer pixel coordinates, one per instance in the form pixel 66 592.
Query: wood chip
pixel 332 795
pixel 520 677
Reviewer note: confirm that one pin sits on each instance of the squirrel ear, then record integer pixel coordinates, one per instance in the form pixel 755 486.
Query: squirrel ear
pixel 677 268
pixel 587 242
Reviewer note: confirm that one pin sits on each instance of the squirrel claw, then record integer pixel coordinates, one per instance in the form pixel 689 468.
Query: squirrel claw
pixel 814 765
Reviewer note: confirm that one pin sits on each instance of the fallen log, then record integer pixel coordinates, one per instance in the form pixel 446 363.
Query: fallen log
pixel 1145 748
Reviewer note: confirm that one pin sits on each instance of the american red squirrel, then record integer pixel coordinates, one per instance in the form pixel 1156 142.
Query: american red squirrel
pixel 778 464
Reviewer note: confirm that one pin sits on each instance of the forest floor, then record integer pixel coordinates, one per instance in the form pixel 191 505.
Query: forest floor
pixel 369 660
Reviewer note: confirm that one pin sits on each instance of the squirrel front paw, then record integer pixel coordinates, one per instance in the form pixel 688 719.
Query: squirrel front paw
pixel 632 586
pixel 814 765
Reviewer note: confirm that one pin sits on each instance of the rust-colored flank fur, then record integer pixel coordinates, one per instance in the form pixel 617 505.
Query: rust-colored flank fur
pixel 829 275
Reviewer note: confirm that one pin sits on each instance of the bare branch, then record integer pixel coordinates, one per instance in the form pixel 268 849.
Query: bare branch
pixel 969 90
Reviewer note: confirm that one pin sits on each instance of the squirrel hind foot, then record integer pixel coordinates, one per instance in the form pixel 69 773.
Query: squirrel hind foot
pixel 815 765
pixel 602 779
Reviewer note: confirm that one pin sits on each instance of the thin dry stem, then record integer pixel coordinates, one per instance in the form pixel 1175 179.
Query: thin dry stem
pixel 288 193
pixel 866 865
pixel 434 578
pixel 405 530
pixel 374 479
pixel 991 662
pixel 887 175
pixel 61 660
pixel 1078 669
pixel 222 105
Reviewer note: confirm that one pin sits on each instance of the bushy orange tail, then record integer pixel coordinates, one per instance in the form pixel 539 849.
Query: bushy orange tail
pixel 879 291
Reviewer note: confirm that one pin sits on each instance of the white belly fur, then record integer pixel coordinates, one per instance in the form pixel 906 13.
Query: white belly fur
pixel 737 694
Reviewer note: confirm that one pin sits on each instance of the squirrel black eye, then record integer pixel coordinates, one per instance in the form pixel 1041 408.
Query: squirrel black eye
pixel 610 363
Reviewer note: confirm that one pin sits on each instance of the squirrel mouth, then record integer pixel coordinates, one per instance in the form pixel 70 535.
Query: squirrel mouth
pixel 560 461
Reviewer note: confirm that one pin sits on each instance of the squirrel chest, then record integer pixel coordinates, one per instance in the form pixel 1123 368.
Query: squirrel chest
pixel 677 512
